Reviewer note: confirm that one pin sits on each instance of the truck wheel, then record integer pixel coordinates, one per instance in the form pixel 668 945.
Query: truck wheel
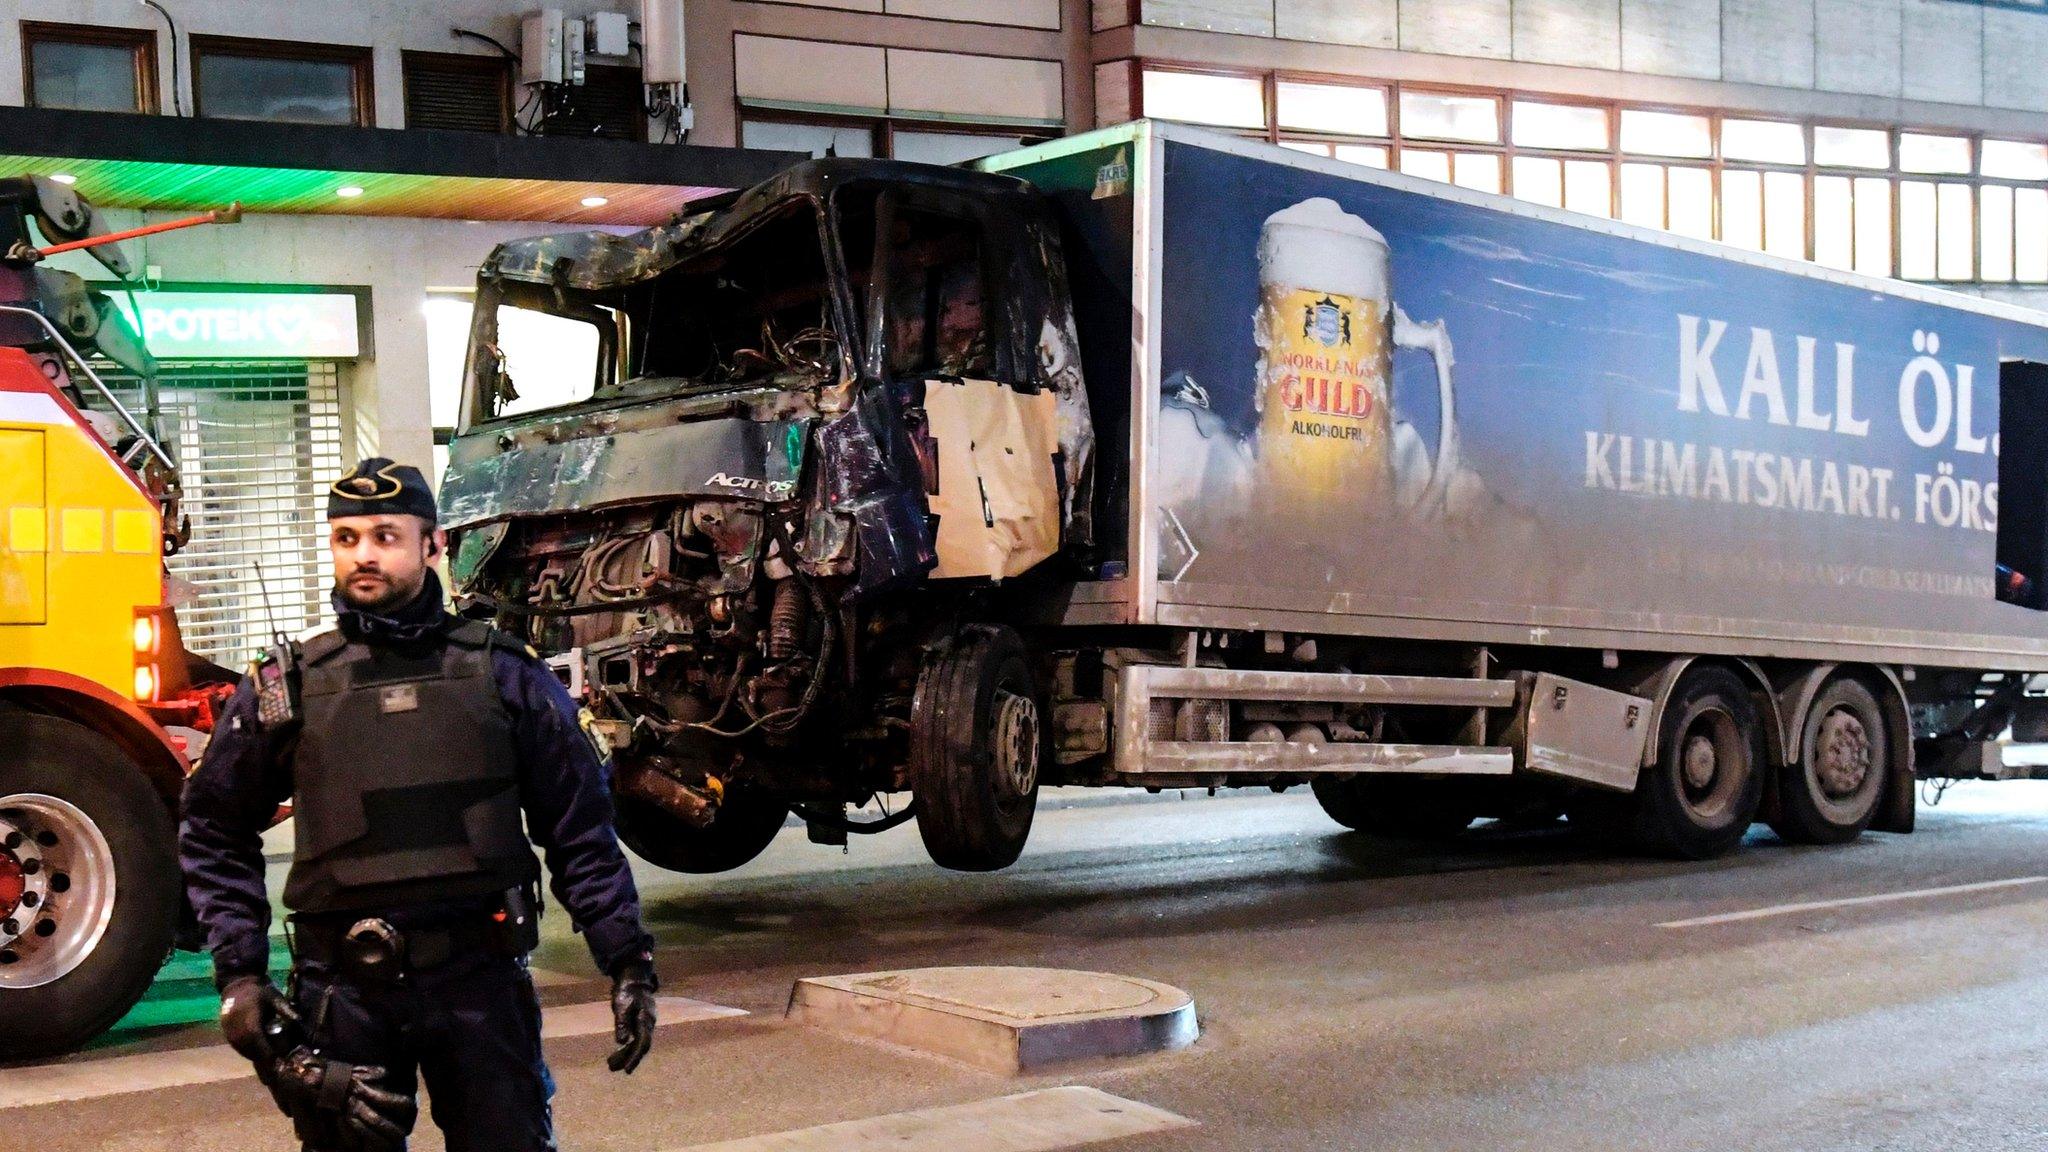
pixel 1396 809
pixel 1701 795
pixel 89 884
pixel 744 827
pixel 976 741
pixel 1830 795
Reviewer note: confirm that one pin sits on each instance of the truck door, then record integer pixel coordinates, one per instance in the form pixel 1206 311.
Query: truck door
pixel 24 523
pixel 986 434
pixel 2022 572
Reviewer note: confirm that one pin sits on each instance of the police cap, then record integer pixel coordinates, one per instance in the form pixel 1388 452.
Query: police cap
pixel 380 487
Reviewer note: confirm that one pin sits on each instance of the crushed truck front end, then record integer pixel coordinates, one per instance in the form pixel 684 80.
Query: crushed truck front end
pixel 809 432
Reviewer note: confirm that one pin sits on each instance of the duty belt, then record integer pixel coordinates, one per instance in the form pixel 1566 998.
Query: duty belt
pixel 371 949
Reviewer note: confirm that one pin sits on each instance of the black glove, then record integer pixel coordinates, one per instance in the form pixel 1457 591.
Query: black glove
pixel 252 1015
pixel 343 1107
pixel 633 987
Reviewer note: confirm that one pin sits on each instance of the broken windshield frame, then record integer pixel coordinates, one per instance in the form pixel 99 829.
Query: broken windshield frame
pixel 758 299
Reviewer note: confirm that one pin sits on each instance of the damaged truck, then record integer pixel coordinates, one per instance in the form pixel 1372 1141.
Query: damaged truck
pixel 1158 458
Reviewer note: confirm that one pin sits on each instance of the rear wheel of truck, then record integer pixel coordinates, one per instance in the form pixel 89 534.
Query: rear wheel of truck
pixel 1394 808
pixel 745 825
pixel 89 884
pixel 977 739
pixel 1701 795
pixel 1830 793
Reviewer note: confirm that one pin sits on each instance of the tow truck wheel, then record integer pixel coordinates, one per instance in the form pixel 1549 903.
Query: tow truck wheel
pixel 976 742
pixel 743 828
pixel 1830 794
pixel 89 884
pixel 1701 795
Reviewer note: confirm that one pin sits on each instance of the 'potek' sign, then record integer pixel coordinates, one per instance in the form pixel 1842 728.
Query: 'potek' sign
pixel 183 325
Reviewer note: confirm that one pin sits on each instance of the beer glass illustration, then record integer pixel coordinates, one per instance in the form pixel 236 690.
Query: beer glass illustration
pixel 1326 328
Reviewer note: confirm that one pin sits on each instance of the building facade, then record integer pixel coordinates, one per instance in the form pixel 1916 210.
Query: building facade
pixel 384 146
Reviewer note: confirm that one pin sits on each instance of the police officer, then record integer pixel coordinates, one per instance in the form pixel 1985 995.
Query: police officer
pixel 410 742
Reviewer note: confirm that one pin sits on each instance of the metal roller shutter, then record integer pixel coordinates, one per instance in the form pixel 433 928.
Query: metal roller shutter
pixel 257 445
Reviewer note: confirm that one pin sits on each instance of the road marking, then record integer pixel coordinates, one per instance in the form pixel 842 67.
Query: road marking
pixel 1850 902
pixel 1027 1122
pixel 154 1071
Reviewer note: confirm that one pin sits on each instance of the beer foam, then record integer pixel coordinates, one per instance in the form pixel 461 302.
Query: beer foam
pixel 1317 244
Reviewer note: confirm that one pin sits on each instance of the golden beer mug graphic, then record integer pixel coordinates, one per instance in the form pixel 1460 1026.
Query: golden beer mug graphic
pixel 1326 328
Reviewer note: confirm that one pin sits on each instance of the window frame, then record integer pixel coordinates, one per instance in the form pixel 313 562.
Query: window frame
pixel 141 43
pixel 1614 157
pixel 482 66
pixel 882 129
pixel 358 57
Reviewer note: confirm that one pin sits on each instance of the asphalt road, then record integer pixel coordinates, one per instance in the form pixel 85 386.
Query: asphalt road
pixel 1515 990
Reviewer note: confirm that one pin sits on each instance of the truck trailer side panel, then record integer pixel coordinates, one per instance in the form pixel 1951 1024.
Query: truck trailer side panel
pixel 1369 404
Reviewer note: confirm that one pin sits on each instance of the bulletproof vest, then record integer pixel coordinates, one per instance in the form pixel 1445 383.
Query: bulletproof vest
pixel 405 785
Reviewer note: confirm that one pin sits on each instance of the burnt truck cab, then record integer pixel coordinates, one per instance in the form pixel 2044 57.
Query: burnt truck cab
pixel 758 482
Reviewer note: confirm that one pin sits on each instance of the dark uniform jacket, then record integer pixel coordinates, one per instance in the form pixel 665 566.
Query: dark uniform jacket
pixel 564 791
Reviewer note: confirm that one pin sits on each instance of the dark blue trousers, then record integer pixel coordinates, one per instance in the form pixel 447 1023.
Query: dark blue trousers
pixel 469 1028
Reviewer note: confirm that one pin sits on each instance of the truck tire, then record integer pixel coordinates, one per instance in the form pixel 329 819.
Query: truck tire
pixel 976 742
pixel 1701 795
pixel 746 824
pixel 89 879
pixel 1829 795
pixel 1393 808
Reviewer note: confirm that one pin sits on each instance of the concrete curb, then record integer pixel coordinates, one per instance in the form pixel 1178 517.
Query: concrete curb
pixel 1002 1019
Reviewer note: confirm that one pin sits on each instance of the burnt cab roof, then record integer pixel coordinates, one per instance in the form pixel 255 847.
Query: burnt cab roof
pixel 601 260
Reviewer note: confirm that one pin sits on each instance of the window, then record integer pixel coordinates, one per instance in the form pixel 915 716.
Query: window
pixel 1200 98
pixel 1338 108
pixel 1924 205
pixel 2014 160
pixel 463 93
pixel 937 323
pixel 1666 134
pixel 1763 141
pixel 1851 147
pixel 1560 126
pixel 237 79
pixel 551 360
pixel 899 140
pixel 91 68
pixel 819 140
pixel 610 103
pixel 1940 155
pixel 949 147
pixel 1437 116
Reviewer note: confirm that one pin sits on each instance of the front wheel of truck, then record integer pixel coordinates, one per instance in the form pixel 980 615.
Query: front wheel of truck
pixel 746 823
pixel 977 739
pixel 89 884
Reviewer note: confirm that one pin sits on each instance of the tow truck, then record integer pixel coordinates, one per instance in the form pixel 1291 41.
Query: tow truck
pixel 103 712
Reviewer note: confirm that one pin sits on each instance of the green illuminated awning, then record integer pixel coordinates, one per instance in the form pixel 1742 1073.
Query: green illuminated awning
pixel 169 163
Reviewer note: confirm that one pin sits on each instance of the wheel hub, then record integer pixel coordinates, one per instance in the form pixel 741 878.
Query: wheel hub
pixel 56 889
pixel 1701 761
pixel 13 882
pixel 1842 762
pixel 1016 741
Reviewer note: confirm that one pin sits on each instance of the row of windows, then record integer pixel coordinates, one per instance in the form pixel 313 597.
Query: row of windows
pixel 1884 201
pixel 114 70
pixel 947 143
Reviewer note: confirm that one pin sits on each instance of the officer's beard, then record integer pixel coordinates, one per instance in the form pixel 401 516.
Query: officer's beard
pixel 382 596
